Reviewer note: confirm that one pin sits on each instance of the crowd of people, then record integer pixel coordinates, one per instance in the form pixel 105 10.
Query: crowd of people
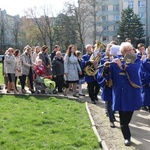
pixel 123 76
pixel 24 68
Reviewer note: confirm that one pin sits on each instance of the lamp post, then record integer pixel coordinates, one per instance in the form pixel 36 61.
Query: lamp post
pixel 118 38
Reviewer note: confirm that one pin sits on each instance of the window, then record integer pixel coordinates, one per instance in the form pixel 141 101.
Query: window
pixel 105 38
pixel 104 18
pixel 116 27
pixel 142 3
pixel 104 28
pixel 116 7
pixel 116 17
pixel 104 7
pixel 130 4
pixel 141 15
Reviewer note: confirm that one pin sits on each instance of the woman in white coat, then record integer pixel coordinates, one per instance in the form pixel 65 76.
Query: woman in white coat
pixel 72 68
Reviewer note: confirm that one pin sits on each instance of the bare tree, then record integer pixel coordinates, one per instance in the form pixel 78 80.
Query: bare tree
pixel 3 26
pixel 81 22
pixel 16 29
pixel 32 13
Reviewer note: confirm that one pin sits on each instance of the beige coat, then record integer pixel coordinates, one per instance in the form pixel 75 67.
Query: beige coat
pixel 18 71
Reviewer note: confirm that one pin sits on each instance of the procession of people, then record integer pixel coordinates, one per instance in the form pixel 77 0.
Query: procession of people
pixel 120 74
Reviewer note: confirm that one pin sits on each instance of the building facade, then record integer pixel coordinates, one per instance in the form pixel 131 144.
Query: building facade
pixel 108 15
pixel 8 30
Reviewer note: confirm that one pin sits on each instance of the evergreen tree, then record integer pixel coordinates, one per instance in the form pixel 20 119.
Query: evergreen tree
pixel 130 26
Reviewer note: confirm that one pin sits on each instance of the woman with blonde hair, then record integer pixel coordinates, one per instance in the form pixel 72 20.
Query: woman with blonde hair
pixel 27 69
pixel 11 65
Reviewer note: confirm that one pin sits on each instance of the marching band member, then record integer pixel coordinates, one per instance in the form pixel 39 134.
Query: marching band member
pixel 93 87
pixel 141 51
pixel 145 79
pixel 125 89
pixel 106 83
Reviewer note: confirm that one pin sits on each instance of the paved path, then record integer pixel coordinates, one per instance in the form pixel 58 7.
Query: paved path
pixel 140 125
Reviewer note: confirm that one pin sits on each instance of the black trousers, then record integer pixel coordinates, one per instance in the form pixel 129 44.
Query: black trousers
pixel 93 90
pixel 59 80
pixel 16 81
pixel 125 118
pixel 23 79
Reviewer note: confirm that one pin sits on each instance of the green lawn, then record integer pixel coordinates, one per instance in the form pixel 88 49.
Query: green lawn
pixel 1 75
pixel 40 123
pixel 37 123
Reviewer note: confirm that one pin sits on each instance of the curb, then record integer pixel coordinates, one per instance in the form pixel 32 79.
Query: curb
pixel 100 141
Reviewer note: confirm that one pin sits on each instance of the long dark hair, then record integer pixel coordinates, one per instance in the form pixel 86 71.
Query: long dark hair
pixel 44 47
pixel 16 52
pixel 69 50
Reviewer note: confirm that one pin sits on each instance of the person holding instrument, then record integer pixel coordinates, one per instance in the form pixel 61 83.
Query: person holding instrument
pixel 106 83
pixel 93 87
pixel 126 94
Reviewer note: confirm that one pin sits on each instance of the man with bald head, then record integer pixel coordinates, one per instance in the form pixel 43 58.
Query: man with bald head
pixel 58 71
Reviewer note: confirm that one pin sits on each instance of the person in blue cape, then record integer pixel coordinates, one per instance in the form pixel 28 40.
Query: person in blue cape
pixel 144 73
pixel 112 51
pixel 126 86
pixel 93 87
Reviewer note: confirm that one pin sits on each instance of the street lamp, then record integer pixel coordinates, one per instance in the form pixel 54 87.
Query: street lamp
pixel 118 37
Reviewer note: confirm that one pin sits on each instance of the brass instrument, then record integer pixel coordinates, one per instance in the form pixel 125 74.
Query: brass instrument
pixel 91 69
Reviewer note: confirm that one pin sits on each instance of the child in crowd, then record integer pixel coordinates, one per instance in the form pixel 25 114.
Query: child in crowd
pixel 81 76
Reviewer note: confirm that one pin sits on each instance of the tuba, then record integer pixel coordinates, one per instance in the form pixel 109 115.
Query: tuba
pixel 91 69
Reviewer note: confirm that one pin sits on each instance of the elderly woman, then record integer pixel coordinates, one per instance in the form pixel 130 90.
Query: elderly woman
pixel 27 69
pixel 11 65
pixel 72 68
pixel 126 94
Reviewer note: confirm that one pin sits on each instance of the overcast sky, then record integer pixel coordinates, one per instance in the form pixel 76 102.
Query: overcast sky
pixel 14 7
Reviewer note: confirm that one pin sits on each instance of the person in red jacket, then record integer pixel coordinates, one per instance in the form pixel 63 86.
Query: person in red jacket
pixel 40 69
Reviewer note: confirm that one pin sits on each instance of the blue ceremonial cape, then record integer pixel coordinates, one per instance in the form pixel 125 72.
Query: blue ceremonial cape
pixel 144 73
pixel 85 59
pixel 106 92
pixel 125 96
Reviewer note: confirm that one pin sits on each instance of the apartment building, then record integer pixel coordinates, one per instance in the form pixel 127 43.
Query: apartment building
pixel 108 15
pixel 8 29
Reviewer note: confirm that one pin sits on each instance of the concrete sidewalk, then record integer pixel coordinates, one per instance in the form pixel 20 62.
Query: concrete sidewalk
pixel 139 126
